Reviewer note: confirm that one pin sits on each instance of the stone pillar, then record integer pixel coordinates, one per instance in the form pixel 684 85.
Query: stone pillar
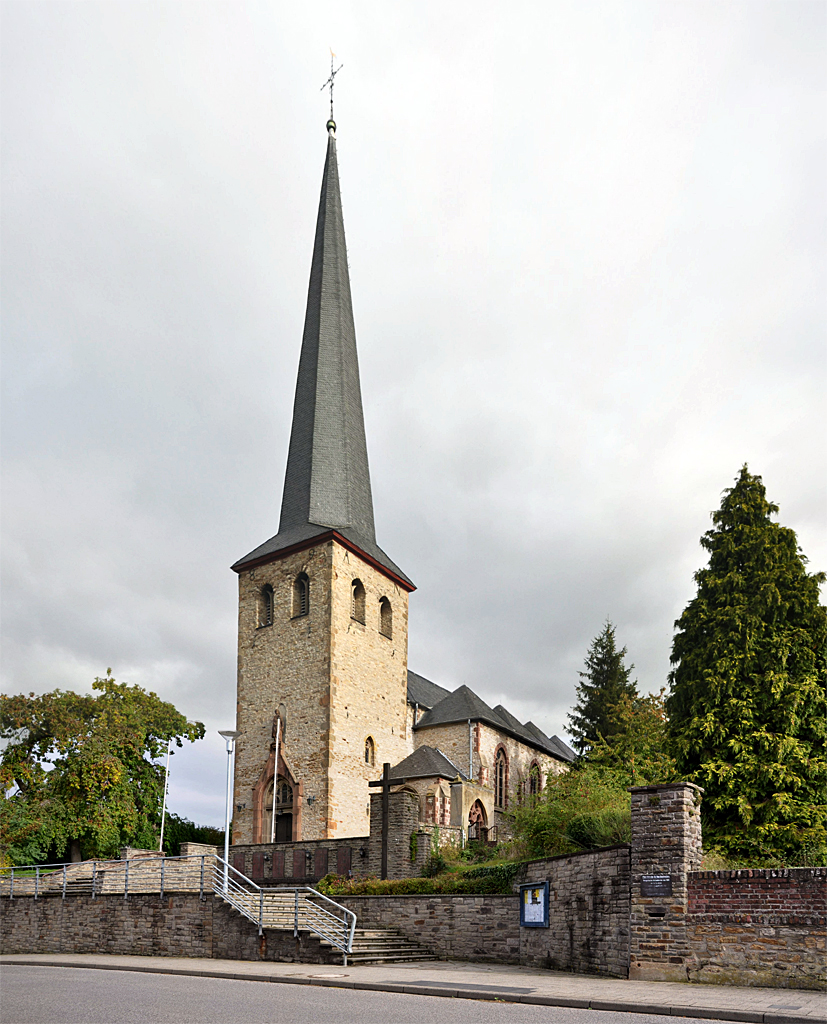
pixel 666 846
pixel 403 819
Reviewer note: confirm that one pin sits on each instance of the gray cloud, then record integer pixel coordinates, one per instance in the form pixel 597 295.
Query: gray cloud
pixel 587 258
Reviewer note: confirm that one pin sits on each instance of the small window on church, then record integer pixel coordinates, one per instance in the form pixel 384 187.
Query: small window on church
pixel 386 618
pixel 301 595
pixel 370 751
pixel 357 601
pixel 265 606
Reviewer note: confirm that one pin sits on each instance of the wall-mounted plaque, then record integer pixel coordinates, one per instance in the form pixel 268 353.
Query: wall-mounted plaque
pixel 534 905
pixel 656 885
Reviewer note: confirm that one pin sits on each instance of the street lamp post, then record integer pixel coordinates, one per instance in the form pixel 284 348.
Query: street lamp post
pixel 230 736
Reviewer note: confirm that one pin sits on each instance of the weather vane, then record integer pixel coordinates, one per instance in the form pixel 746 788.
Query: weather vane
pixel 329 84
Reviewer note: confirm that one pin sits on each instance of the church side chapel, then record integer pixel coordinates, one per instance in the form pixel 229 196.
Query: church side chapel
pixel 325 696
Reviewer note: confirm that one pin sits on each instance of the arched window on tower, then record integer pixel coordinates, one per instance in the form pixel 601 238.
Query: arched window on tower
pixel 386 618
pixel 301 595
pixel 265 606
pixel 500 779
pixel 370 751
pixel 357 601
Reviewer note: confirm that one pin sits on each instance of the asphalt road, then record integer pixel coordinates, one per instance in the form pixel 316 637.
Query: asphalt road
pixel 57 995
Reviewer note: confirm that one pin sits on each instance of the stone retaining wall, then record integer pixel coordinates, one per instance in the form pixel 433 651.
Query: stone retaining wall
pixel 588 913
pixel 147 925
pixel 453 927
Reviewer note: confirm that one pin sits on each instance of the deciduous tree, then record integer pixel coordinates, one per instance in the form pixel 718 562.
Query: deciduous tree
pixel 79 773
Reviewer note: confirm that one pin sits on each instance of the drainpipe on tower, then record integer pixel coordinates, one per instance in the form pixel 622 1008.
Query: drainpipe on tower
pixel 470 753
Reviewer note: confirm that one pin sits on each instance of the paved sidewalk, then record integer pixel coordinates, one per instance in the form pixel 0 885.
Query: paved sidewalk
pixel 484 981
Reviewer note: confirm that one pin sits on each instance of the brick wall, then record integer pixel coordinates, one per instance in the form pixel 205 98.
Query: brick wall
pixel 480 928
pixel 588 913
pixel 147 925
pixel 797 891
pixel 758 927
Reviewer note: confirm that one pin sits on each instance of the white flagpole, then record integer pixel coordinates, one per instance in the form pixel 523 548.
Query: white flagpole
pixel 275 782
pixel 164 805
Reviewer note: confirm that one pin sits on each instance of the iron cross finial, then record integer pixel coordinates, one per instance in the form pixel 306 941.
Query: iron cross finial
pixel 329 84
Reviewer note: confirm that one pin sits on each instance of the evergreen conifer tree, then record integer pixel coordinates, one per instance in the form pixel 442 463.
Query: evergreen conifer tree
pixel 602 685
pixel 747 713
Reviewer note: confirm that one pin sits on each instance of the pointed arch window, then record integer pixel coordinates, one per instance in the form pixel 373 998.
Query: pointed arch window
pixel 370 751
pixel 386 618
pixel 301 595
pixel 534 781
pixel 265 606
pixel 501 779
pixel 357 601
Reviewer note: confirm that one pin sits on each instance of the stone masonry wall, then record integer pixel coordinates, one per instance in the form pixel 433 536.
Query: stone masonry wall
pixel 759 927
pixel 588 913
pixel 452 740
pixel 479 928
pixel 340 679
pixel 285 662
pixel 403 821
pixel 148 925
pixel 368 689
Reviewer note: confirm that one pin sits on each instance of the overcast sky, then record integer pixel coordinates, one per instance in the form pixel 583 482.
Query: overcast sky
pixel 588 268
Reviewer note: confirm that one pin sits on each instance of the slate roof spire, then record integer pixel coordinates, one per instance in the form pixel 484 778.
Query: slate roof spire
pixel 327 483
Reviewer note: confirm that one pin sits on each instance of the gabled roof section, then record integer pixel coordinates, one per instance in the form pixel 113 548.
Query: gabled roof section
pixel 426 763
pixel 327 482
pixel 555 745
pixel 517 726
pixel 463 704
pixel 423 692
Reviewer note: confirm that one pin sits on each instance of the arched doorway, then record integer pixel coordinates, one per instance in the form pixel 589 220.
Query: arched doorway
pixel 477 822
pixel 283 809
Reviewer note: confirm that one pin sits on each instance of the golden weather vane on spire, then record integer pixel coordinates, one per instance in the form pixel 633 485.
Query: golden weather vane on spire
pixel 329 84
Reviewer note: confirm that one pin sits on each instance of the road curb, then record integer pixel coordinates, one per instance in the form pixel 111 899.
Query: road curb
pixel 448 992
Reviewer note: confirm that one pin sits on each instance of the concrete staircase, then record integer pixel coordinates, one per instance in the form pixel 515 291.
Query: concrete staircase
pixel 370 945
pixel 382 945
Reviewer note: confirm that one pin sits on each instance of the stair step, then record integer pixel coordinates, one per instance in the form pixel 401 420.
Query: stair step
pixel 391 957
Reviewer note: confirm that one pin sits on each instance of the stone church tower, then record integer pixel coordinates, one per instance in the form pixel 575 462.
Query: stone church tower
pixel 323 611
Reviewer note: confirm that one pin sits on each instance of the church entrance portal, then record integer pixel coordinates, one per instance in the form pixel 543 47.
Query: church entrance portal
pixel 283 809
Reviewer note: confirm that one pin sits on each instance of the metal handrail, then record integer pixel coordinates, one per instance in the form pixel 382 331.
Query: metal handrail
pixel 306 907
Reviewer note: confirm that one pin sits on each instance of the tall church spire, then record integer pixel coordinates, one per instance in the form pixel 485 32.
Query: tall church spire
pixel 327 483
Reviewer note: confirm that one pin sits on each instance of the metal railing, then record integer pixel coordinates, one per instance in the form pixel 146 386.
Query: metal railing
pixel 300 908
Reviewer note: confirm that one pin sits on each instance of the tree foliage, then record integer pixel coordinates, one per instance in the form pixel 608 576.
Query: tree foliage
pixel 601 687
pixel 78 773
pixel 179 830
pixel 747 711
pixel 637 750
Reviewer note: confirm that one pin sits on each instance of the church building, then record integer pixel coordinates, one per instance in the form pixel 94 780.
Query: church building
pixel 325 696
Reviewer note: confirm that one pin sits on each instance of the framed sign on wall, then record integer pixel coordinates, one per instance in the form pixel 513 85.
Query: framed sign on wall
pixel 534 905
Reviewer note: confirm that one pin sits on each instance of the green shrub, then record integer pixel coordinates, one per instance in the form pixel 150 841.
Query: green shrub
pixel 578 810
pixel 494 879
pixel 605 827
